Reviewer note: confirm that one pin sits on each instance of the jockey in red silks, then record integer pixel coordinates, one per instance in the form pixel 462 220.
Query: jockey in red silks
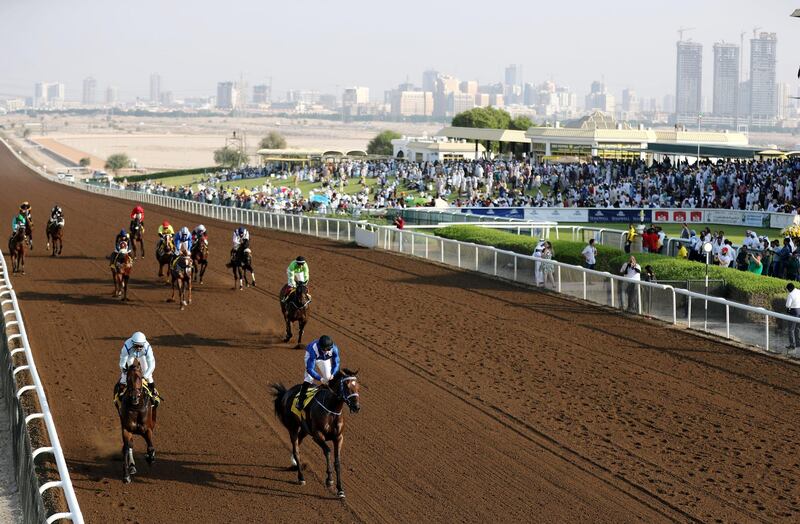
pixel 138 212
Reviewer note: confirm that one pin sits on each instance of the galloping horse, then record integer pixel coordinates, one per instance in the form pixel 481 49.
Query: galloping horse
pixel 323 420
pixel 137 416
pixel 29 229
pixel 296 309
pixel 181 273
pixel 242 263
pixel 55 236
pixel 164 251
pixel 200 258
pixel 137 234
pixel 16 247
pixel 121 266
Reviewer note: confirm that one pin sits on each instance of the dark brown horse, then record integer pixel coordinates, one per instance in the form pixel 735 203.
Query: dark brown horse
pixel 200 258
pixel 121 267
pixel 181 273
pixel 296 308
pixel 323 420
pixel 16 249
pixel 55 236
pixel 137 416
pixel 164 252
pixel 137 235
pixel 242 263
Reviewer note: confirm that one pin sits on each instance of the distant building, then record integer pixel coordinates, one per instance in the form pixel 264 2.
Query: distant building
pixel 630 103
pixel 459 102
pixel 56 93
pixel 155 88
pixel 304 96
pixel 445 86
pixel 726 79
pixel 513 76
pixel 112 95
pixel 411 103
pixel 227 95
pixel 599 99
pixel 329 101
pixel 262 94
pixel 89 91
pixel 782 100
pixel 14 104
pixel 167 98
pixel 40 94
pixel 762 79
pixel 429 80
pixel 355 96
pixel 689 82
pixel 469 87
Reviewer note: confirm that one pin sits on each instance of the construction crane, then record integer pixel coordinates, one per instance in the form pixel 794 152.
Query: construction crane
pixel 682 30
pixel 755 32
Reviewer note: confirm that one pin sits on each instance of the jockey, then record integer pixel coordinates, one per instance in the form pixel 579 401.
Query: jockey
pixel 25 210
pixel 165 229
pixel 183 242
pixel 199 233
pixel 137 347
pixel 321 353
pixel 57 216
pixel 296 272
pixel 138 212
pixel 18 221
pixel 121 237
pixel 240 234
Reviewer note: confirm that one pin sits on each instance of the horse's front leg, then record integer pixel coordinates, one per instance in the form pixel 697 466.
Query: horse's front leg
pixel 125 279
pixel 189 283
pixel 172 297
pixel 127 456
pixel 302 327
pixel 203 271
pixel 253 277
pixel 337 451
pixel 288 336
pixel 319 438
pixel 151 450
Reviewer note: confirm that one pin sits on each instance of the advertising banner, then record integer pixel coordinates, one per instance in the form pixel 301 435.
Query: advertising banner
pixel 678 215
pixel 549 214
pixel 781 220
pixel 725 216
pixel 756 219
pixel 502 212
pixel 621 216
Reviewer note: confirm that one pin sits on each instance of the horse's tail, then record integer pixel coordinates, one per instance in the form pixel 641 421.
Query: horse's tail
pixel 278 394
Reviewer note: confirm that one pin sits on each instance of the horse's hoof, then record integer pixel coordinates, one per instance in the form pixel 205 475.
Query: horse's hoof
pixel 126 480
pixel 170 300
pixel 132 470
pixel 301 482
pixel 329 482
pixel 151 457
pixel 341 494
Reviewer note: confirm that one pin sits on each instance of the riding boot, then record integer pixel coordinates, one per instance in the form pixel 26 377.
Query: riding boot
pixel 154 393
pixel 302 396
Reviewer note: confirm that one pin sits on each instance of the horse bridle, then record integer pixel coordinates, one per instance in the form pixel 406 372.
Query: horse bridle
pixel 296 304
pixel 342 395
pixel 134 392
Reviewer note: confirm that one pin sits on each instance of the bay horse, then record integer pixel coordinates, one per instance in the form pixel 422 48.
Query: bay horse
pixel 181 273
pixel 164 252
pixel 296 309
pixel 200 258
pixel 55 236
pixel 242 263
pixel 137 416
pixel 29 229
pixel 16 249
pixel 121 267
pixel 324 420
pixel 137 235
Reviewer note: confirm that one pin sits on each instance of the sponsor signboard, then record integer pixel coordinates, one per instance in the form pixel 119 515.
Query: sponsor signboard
pixel 678 215
pixel 550 214
pixel 503 212
pixel 756 219
pixel 620 215
pixel 781 220
pixel 725 216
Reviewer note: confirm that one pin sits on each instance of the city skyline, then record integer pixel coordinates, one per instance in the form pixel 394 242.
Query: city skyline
pixel 190 68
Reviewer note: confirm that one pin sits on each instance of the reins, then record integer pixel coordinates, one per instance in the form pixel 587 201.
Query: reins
pixel 339 395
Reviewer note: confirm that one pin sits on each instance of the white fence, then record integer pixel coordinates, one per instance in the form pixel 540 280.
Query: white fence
pixel 754 326
pixel 15 347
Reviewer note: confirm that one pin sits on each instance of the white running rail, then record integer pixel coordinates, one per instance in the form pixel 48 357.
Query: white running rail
pixel 17 345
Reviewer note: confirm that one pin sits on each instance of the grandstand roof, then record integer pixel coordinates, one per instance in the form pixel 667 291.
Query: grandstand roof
pixel 477 133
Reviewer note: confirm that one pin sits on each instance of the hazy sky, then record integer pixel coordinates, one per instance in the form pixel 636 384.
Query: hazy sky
pixel 327 44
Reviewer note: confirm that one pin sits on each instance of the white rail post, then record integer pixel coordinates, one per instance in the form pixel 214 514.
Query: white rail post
pixel 337 229
pixel 316 227
pixel 495 262
pixel 400 241
pixel 766 326
pixel 674 307
pixel 458 245
pixel 639 296
pixel 413 241
pixel 476 257
pixel 559 278
pixel 515 268
pixel 727 321
pixel 441 251
pixel 426 247
pixel 584 284
pixel 689 298
pixel 613 295
pixel 327 228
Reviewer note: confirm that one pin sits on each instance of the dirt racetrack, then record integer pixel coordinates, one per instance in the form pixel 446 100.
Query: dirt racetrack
pixel 481 401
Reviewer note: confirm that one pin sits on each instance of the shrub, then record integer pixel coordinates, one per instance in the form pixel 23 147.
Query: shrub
pixel 740 286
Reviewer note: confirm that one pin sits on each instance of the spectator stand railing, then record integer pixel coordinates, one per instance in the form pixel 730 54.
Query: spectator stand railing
pixel 16 348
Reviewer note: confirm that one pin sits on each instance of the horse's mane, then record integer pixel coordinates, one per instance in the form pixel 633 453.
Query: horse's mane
pixel 344 372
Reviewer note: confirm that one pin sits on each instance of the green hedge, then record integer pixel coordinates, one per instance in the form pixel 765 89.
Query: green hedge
pixel 168 174
pixel 740 286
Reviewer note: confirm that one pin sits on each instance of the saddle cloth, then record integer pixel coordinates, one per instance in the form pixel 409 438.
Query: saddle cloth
pixel 309 397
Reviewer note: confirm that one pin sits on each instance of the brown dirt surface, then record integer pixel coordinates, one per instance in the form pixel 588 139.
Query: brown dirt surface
pixel 70 152
pixel 481 401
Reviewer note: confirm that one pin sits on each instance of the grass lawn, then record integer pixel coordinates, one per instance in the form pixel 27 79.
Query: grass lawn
pixel 734 233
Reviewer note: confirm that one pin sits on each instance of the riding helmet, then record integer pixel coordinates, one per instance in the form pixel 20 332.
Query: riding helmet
pixel 122 233
pixel 325 342
pixel 300 260
pixel 165 223
pixel 138 339
pixel 240 230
